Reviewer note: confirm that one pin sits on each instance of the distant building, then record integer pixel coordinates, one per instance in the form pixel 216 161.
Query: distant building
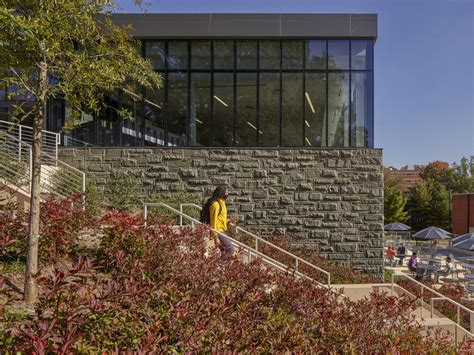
pixel 463 213
pixel 409 175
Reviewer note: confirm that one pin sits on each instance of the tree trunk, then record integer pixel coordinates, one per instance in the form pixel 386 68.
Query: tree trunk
pixel 31 288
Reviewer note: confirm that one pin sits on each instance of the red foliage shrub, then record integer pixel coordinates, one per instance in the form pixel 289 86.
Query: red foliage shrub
pixel 61 221
pixel 13 233
pixel 170 294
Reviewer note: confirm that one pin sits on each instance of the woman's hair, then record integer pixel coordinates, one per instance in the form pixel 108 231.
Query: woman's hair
pixel 219 192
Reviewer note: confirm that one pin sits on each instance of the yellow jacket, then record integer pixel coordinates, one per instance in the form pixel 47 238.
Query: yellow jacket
pixel 218 213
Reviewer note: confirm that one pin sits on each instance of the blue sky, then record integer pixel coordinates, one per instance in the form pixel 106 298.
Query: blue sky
pixel 424 68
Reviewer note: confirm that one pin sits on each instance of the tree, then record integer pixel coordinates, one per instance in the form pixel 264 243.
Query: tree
pixel 67 49
pixel 438 210
pixel 394 206
pixel 418 205
pixel 435 170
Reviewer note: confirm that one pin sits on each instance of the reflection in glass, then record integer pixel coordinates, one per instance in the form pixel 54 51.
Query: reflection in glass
pixel 177 55
pixel 315 54
pixel 223 55
pixel 269 118
pixel 200 54
pixel 131 127
pixel 269 54
pixel 338 54
pixel 361 109
pixel 177 109
pixel 245 130
pixel 246 54
pixel 315 110
pixel 200 113
pixel 223 118
pixel 153 118
pixel 361 55
pixel 155 52
pixel 292 52
pixel 292 110
pixel 338 112
pixel 109 126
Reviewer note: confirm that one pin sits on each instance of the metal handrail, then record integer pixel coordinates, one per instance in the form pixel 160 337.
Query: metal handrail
pixel 262 240
pixel 439 297
pixel 269 260
pixel 70 173
pixel 51 140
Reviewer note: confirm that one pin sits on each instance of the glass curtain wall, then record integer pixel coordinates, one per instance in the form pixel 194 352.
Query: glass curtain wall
pixel 247 93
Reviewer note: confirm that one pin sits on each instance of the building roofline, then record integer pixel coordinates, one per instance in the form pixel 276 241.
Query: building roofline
pixel 249 25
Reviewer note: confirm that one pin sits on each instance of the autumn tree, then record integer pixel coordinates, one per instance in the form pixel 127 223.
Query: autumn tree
pixel 67 49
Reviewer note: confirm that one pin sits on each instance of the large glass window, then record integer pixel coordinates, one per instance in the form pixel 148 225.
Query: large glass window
pixel 292 110
pixel 292 52
pixel 245 93
pixel 223 55
pixel 361 55
pixel 155 52
pixel 361 109
pixel 154 118
pixel 223 118
pixel 270 55
pixel 177 55
pixel 269 110
pixel 246 54
pixel 338 109
pixel 315 110
pixel 315 54
pixel 338 54
pixel 201 54
pixel 200 113
pixel 246 121
pixel 177 109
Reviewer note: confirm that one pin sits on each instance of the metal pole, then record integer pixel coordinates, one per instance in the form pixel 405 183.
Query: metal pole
pixel 296 267
pixel 19 144
pixel 145 212
pixel 391 288
pixel 30 170
pixel 181 216
pixel 256 244
pixel 431 302
pixel 421 298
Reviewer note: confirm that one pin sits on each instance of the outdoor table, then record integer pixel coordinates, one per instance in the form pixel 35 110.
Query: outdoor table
pixel 432 260
pixel 469 276
pixel 428 268
pixel 468 266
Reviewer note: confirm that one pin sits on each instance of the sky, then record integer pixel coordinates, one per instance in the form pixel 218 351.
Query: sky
pixel 424 68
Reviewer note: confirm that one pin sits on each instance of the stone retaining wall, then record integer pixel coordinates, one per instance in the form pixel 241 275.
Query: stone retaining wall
pixel 329 200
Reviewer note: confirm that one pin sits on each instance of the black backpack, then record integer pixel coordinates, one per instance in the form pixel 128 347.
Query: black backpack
pixel 205 212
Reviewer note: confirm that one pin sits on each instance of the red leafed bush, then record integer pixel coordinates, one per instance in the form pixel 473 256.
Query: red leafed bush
pixel 162 290
pixel 61 221
pixel 13 233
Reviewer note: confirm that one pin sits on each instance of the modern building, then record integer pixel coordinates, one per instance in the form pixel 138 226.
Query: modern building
pixel 463 213
pixel 278 106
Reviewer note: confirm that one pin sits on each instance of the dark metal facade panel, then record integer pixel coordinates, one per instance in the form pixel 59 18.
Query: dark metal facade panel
pixel 250 25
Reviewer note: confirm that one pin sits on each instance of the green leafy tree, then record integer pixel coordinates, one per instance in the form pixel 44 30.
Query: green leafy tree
pixel 67 49
pixel 418 205
pixel 394 205
pixel 438 210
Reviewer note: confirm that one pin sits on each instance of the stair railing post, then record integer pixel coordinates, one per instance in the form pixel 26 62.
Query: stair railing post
pixel 296 264
pixel 19 144
pixel 431 303
pixel 145 212
pixel 471 322
pixel 181 216
pixel 256 244
pixel 421 298
pixel 392 286
pixel 30 168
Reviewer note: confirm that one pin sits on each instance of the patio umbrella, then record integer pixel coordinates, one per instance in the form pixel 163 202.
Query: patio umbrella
pixel 467 243
pixel 432 233
pixel 460 238
pixel 397 226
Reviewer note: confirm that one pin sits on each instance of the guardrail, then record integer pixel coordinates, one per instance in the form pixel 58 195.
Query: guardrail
pixel 251 251
pixel 438 297
pixel 74 142
pixel 257 240
pixel 57 177
pixel 50 140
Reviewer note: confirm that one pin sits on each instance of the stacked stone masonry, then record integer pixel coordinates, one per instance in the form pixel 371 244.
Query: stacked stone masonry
pixel 328 200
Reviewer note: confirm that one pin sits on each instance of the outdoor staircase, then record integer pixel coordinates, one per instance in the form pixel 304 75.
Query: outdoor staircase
pixel 425 313
pixel 57 177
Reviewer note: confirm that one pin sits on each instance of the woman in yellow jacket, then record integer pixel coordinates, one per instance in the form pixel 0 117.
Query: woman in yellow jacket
pixel 218 220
